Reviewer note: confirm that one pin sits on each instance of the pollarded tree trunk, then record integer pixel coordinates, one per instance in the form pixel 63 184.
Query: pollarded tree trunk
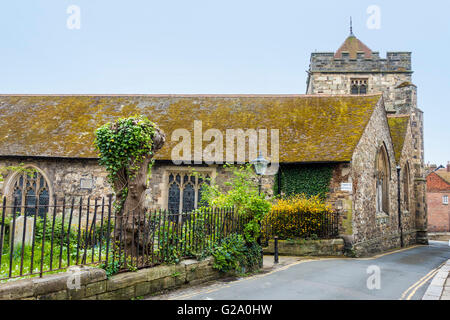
pixel 131 223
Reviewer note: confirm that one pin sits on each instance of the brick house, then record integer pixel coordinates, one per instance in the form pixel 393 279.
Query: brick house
pixel 438 192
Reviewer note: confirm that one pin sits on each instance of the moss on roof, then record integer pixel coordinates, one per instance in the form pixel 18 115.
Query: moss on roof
pixel 405 84
pixel 444 174
pixel 398 126
pixel 312 128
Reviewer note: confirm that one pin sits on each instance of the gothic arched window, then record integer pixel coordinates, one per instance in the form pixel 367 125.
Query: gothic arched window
pixel 406 185
pixel 31 192
pixel 184 191
pixel 174 195
pixel 382 180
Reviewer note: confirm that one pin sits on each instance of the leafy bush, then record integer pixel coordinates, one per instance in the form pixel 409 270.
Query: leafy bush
pixel 233 254
pixel 228 253
pixel 252 257
pixel 301 203
pixel 242 194
pixel 297 216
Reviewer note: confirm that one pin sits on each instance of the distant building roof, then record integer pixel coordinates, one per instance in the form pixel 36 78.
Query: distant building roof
pixel 398 126
pixel 311 128
pixel 352 46
pixel 444 174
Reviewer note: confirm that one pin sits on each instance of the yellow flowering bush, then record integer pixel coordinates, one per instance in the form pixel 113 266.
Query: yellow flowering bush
pixel 297 216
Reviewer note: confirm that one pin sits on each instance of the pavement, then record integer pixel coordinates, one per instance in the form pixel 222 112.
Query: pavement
pixel 402 274
pixel 439 288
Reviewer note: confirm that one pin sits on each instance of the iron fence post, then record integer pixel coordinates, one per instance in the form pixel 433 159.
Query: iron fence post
pixel 275 249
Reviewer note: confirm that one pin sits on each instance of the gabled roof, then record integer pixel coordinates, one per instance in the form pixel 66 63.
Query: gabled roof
pixel 311 128
pixel 443 174
pixel 398 126
pixel 353 45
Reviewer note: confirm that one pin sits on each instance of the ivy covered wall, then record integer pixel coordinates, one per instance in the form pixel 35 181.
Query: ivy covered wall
pixel 310 179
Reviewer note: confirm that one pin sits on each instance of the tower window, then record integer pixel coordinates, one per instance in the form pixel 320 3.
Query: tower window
pixel 358 86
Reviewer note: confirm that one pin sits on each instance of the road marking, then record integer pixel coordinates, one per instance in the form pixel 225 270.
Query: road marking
pixel 413 289
pixel 421 284
pixel 189 295
pixel 388 253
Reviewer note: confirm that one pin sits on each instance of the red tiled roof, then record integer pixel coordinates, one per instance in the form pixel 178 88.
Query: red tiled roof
pixel 353 45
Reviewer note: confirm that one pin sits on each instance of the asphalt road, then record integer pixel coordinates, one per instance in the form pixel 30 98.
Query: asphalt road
pixel 402 275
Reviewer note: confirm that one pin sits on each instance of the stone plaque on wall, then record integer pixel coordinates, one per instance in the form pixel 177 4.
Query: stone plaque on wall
pixel 347 187
pixel 86 183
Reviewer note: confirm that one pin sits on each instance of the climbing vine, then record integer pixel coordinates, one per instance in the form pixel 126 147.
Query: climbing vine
pixel 123 145
pixel 311 180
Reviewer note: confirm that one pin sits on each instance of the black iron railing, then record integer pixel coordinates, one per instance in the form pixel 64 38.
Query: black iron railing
pixel 85 231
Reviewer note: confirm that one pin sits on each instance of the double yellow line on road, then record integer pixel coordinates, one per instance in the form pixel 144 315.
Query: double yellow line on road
pixel 408 294
pixel 411 291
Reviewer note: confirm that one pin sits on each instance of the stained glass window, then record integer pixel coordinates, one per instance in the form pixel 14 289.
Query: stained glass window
pixel 44 201
pixel 185 191
pixel 188 198
pixel 174 198
pixel 382 181
pixel 31 191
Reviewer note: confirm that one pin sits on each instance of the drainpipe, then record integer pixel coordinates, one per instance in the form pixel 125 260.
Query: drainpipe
pixel 399 207
pixel 279 180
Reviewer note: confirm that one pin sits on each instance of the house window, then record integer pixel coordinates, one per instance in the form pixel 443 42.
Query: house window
pixel 382 181
pixel 358 86
pixel 184 191
pixel 31 193
pixel 445 200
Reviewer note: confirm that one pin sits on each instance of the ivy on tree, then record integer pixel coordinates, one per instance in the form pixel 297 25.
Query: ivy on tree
pixel 126 148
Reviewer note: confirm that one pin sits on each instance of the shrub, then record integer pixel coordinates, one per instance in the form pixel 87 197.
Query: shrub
pixel 297 216
pixel 242 194
pixel 228 253
pixel 233 254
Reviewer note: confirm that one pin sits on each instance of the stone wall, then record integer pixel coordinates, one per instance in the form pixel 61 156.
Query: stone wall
pixel 408 210
pixel 330 83
pixel 94 285
pixel 394 62
pixel 64 178
pixel 372 231
pixel 341 200
pixel 327 248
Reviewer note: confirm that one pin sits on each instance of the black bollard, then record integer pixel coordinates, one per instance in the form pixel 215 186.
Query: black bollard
pixel 275 248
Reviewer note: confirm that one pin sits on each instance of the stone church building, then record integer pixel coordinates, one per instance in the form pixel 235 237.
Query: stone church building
pixel 359 119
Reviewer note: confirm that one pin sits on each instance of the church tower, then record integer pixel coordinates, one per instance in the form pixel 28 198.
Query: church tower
pixel 355 69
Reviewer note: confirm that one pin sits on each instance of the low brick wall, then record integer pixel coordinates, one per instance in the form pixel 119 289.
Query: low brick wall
pixel 94 285
pixel 333 247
